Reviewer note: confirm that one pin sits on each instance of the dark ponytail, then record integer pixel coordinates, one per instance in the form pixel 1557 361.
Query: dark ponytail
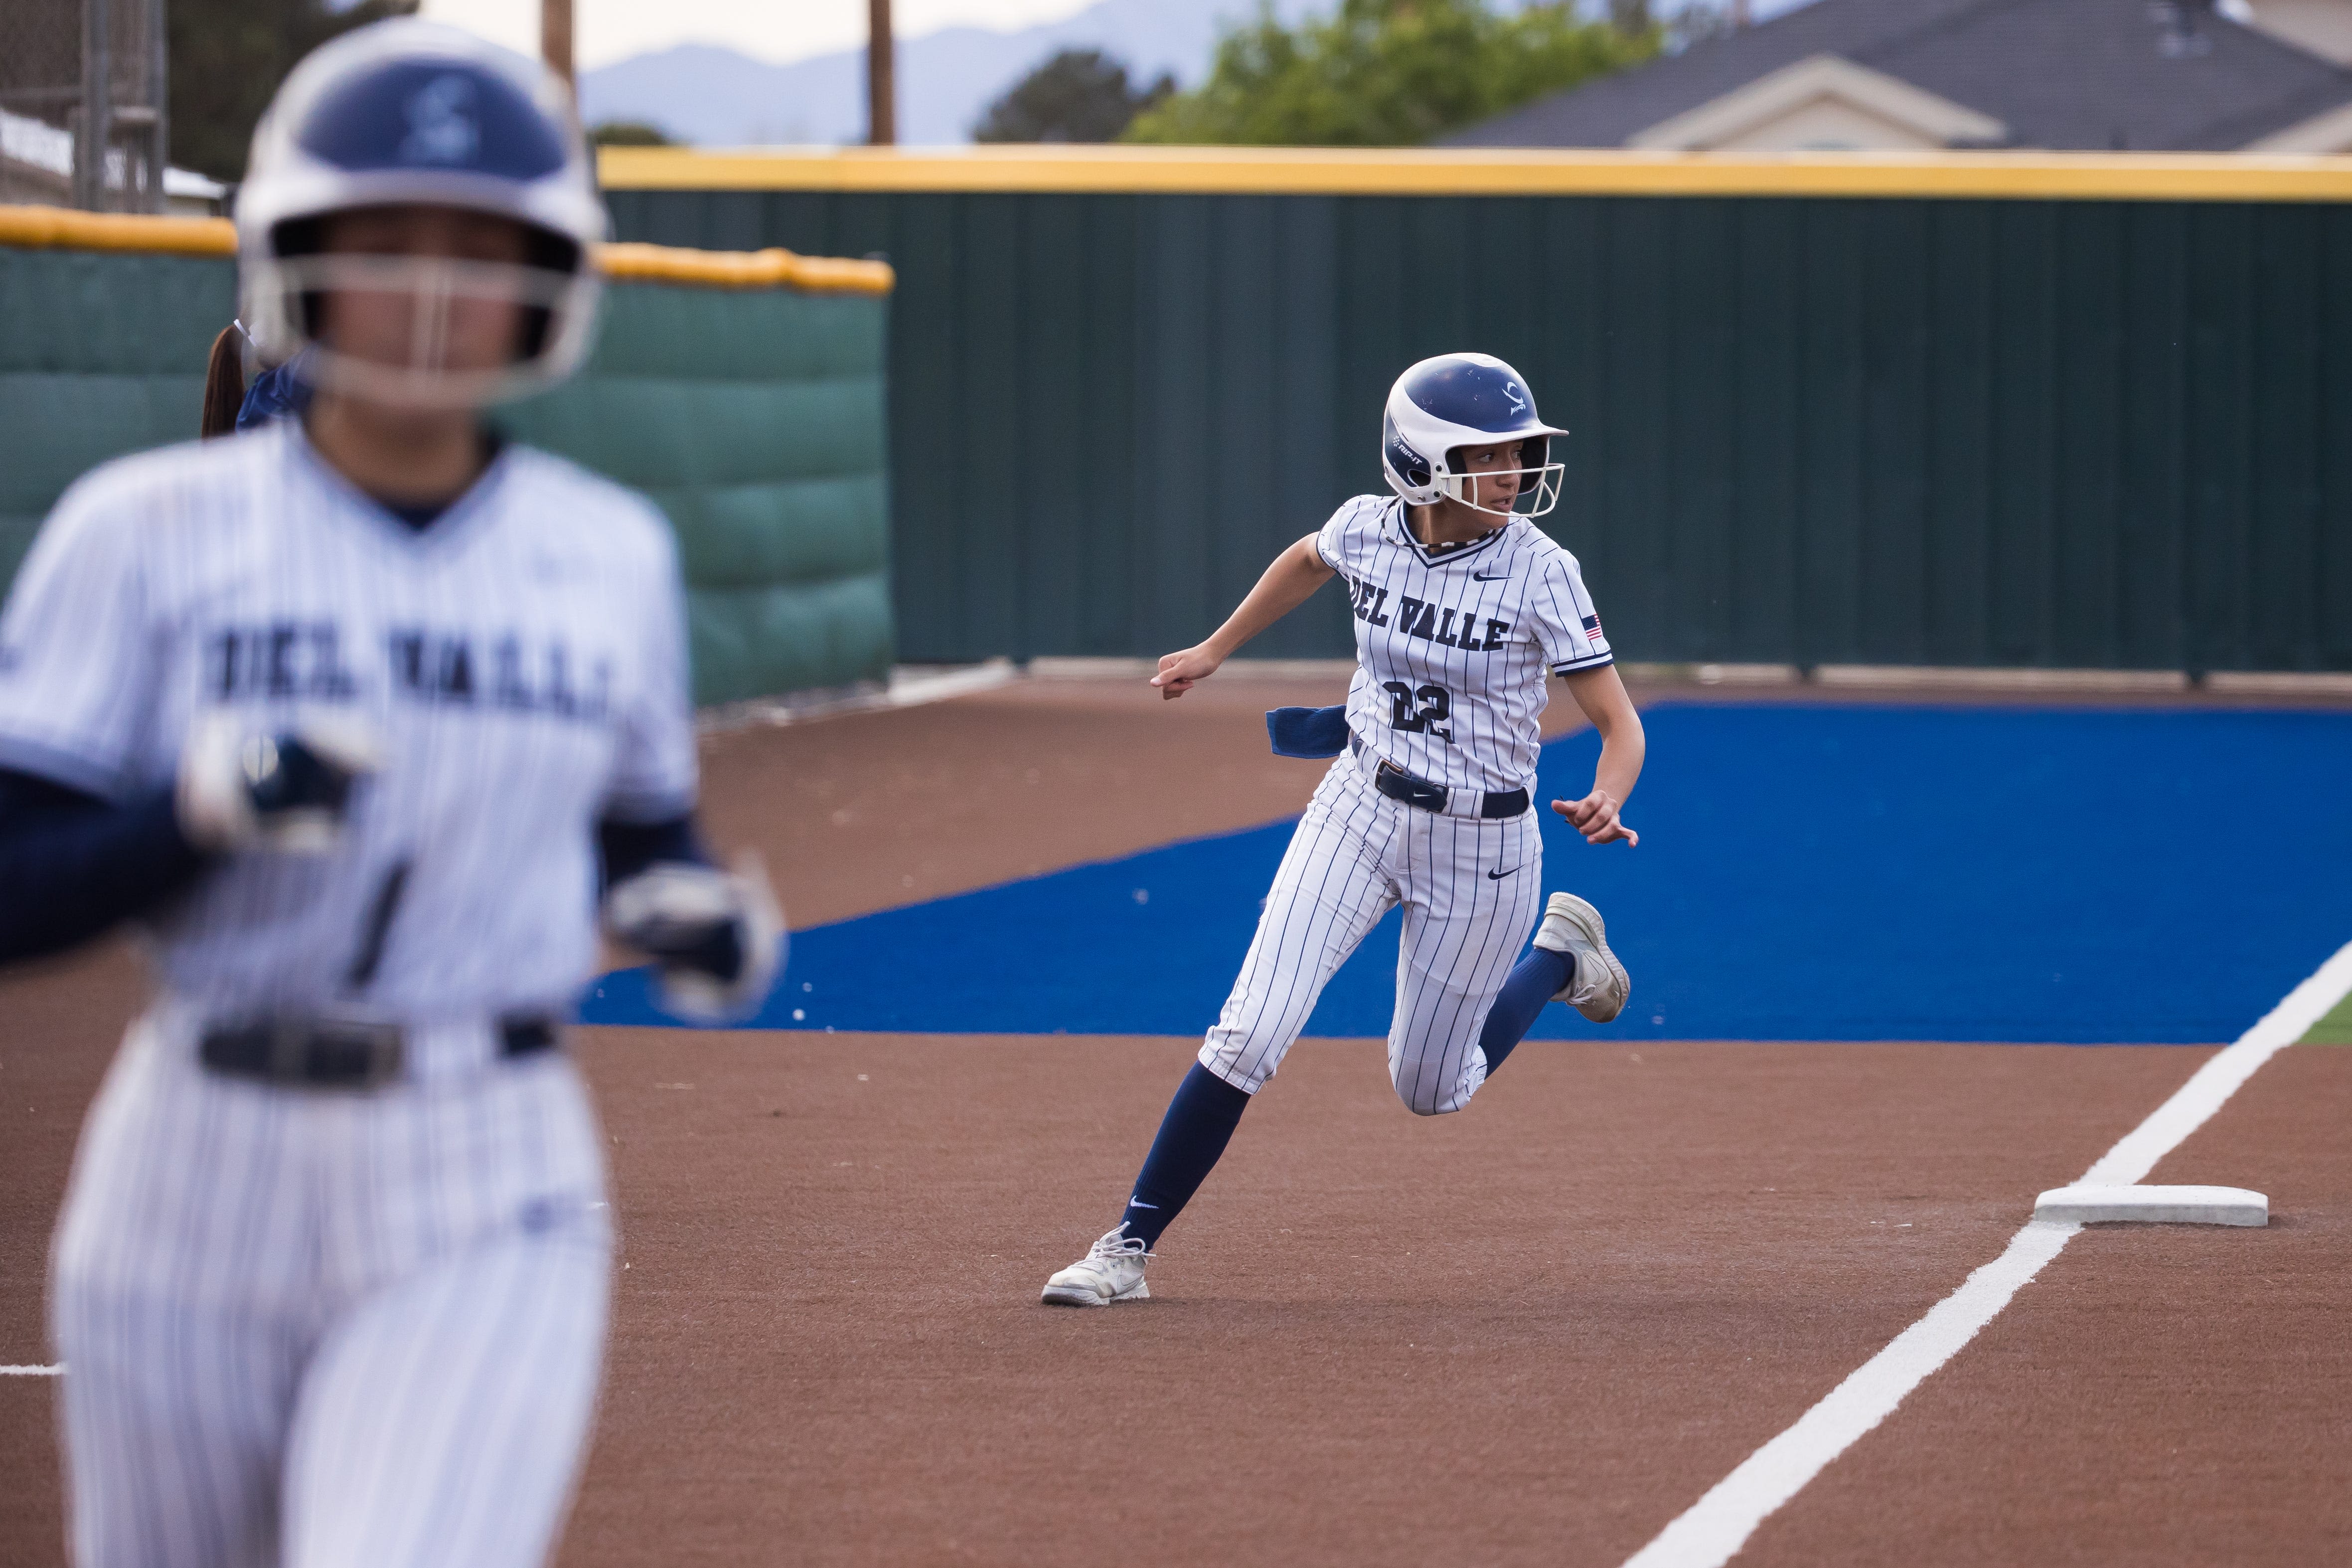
pixel 223 383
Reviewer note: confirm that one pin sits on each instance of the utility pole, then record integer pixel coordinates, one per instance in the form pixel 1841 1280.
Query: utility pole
pixel 159 102
pixel 1631 17
pixel 555 38
pixel 881 66
pixel 94 123
pixel 120 116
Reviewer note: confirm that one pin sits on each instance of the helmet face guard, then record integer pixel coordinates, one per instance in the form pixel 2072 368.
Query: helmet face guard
pixel 1440 406
pixel 410 113
pixel 1538 483
pixel 557 313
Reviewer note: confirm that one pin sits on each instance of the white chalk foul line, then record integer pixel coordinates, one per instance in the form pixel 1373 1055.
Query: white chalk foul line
pixel 1716 1526
pixel 913 691
pixel 32 1371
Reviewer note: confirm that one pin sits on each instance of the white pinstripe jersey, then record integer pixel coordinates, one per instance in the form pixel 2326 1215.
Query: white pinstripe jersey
pixel 1453 646
pixel 523 661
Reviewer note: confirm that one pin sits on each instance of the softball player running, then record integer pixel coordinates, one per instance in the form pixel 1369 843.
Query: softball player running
pixel 1461 605
pixel 342 712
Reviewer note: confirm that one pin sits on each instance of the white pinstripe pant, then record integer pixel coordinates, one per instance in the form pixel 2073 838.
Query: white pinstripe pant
pixel 328 1330
pixel 1356 854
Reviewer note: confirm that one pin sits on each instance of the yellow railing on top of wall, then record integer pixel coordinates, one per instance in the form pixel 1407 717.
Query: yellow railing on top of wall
pixel 61 228
pixel 1485 171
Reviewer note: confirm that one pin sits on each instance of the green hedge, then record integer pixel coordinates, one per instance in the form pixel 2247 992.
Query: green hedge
pixel 752 418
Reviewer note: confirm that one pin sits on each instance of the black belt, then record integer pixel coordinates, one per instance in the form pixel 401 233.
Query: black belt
pixel 327 1054
pixel 1398 785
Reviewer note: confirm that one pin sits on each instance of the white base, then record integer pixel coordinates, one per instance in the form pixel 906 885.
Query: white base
pixel 2153 1205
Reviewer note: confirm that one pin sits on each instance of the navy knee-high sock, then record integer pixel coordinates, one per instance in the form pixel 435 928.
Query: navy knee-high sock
pixel 1200 1121
pixel 1540 975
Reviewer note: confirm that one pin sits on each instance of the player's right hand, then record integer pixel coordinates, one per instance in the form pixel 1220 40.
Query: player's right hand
pixel 1178 671
pixel 287 791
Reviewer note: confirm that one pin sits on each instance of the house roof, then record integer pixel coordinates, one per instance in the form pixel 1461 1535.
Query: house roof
pixel 2089 75
pixel 39 145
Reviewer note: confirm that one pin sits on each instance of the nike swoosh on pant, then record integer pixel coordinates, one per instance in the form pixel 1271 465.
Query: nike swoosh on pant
pixel 1499 876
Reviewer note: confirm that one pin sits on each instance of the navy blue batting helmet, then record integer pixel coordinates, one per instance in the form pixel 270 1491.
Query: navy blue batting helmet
pixel 1442 404
pixel 408 113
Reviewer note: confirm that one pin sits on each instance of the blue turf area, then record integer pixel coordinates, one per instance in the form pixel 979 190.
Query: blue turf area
pixel 1805 873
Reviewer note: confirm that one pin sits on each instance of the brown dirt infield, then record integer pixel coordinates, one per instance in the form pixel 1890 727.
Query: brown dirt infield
pixel 2162 1395
pixel 1529 1333
pixel 1532 1332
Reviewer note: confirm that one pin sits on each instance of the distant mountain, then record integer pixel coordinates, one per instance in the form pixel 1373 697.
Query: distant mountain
pixel 715 96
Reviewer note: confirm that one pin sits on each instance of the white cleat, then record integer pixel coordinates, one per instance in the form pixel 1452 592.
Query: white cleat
pixel 1601 986
pixel 1112 1270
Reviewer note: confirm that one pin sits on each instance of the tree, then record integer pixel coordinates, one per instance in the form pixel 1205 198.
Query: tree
pixel 1696 21
pixel 1629 15
pixel 226 58
pixel 628 133
pixel 1079 95
pixel 1387 73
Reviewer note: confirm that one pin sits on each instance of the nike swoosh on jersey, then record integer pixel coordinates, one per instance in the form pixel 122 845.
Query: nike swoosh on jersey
pixel 1483 577
pixel 1499 876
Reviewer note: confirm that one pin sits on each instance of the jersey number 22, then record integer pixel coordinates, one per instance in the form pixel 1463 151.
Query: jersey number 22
pixel 1421 710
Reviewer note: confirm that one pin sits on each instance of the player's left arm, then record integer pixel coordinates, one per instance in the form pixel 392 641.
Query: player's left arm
pixel 1602 698
pixel 716 935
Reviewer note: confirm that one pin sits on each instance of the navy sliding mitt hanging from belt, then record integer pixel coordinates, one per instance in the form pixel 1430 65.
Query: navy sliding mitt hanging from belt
pixel 1308 733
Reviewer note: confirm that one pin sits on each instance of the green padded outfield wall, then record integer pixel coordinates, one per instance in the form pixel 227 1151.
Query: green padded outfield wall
pixel 1807 429
pixel 101 354
pixel 754 417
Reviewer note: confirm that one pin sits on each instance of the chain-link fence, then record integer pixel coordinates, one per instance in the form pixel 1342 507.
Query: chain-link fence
pixel 82 116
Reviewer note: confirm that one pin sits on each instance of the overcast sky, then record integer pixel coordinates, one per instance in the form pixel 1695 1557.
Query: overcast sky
pixel 778 30
pixel 773 30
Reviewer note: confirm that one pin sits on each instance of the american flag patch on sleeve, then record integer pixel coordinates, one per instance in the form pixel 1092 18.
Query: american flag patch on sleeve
pixel 1592 626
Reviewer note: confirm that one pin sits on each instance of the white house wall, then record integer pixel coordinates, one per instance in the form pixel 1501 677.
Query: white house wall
pixel 2323 27
pixel 1825 101
pixel 1827 124
pixel 2322 133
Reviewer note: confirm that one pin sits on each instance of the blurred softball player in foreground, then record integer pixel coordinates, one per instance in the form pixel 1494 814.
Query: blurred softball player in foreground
pixel 342 712
pixel 1463 606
